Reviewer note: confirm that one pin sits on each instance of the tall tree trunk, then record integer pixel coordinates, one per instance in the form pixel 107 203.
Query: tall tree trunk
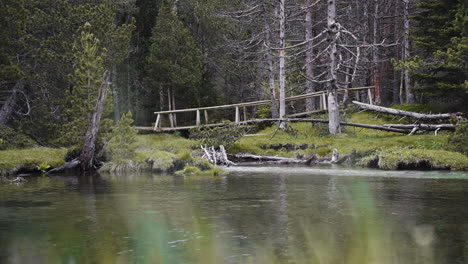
pixel 173 106
pixel 87 154
pixel 269 58
pixel 406 53
pixel 8 106
pixel 333 113
pixel 375 55
pixel 115 93
pixel 282 69
pixel 310 102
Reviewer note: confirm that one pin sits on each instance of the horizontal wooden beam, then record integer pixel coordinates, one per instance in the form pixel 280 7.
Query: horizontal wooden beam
pixel 257 103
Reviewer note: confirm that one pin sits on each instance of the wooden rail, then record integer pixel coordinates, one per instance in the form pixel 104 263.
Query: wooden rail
pixel 242 108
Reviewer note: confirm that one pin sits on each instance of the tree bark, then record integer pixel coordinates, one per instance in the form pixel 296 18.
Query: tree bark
pixel 333 113
pixel 310 102
pixel 86 157
pixel 9 105
pixel 406 53
pixel 115 94
pixel 269 58
pixel 282 69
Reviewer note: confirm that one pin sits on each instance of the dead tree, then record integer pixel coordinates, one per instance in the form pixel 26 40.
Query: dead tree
pixel 87 154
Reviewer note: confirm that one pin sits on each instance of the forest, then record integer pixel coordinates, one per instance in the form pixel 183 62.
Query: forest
pixel 233 131
pixel 156 55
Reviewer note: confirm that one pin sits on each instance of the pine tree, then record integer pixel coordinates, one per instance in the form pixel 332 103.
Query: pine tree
pixel 86 79
pixel 124 135
pixel 442 37
pixel 174 63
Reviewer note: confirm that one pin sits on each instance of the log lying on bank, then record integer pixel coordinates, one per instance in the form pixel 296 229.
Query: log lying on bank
pixel 403 113
pixel 423 126
pixel 310 161
pixel 324 121
pixel 265 159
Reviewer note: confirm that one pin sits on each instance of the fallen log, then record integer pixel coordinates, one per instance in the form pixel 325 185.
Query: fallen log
pixel 246 158
pixel 376 127
pixel 423 126
pixel 401 112
pixel 416 127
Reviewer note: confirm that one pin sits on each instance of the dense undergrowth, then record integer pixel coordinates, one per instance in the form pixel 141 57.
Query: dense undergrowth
pixel 174 154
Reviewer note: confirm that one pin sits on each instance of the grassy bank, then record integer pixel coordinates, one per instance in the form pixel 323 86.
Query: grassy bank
pixel 32 159
pixel 392 150
pixel 163 153
pixel 173 154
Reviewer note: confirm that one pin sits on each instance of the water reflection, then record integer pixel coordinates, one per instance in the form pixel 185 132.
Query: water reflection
pixel 245 217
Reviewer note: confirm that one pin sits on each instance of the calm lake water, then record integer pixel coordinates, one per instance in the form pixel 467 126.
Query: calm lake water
pixel 252 215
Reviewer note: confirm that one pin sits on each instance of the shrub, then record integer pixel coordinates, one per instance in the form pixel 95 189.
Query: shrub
pixel 225 135
pixel 124 135
pixel 11 139
pixel 458 141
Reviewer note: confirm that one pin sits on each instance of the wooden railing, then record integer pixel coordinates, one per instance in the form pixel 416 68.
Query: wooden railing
pixel 242 107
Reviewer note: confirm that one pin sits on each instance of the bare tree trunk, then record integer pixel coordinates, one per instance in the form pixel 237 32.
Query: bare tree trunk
pixel 169 107
pixel 173 106
pixel 115 94
pixel 271 74
pixel 310 102
pixel 87 154
pixel 375 56
pixel 282 69
pixel 10 103
pixel 333 113
pixel 406 53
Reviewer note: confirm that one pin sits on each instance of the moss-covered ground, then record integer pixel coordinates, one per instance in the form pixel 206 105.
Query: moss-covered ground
pixel 164 153
pixel 306 139
pixel 33 159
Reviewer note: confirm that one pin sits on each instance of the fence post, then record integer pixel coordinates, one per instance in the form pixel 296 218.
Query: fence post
pixel 324 98
pixel 197 122
pixel 237 120
pixel 369 94
pixel 156 124
pixel 244 109
pixel 206 117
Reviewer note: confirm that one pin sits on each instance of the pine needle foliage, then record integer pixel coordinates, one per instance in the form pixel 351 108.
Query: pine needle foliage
pixel 175 59
pixel 120 146
pixel 88 68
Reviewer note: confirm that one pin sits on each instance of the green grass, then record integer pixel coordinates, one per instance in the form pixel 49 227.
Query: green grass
pixel 30 159
pixel 393 159
pixel 365 141
pixel 164 153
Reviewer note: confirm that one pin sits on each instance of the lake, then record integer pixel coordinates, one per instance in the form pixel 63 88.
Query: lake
pixel 274 214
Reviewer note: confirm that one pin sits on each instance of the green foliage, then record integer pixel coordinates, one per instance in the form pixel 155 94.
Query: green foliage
pixel 225 135
pixel 397 158
pixel 324 151
pixel 120 146
pixel 10 139
pixel 174 63
pixel 441 34
pixel 43 167
pixel 88 69
pixel 458 141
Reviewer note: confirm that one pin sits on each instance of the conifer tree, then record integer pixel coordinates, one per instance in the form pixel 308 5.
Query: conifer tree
pixel 86 79
pixel 443 39
pixel 174 63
